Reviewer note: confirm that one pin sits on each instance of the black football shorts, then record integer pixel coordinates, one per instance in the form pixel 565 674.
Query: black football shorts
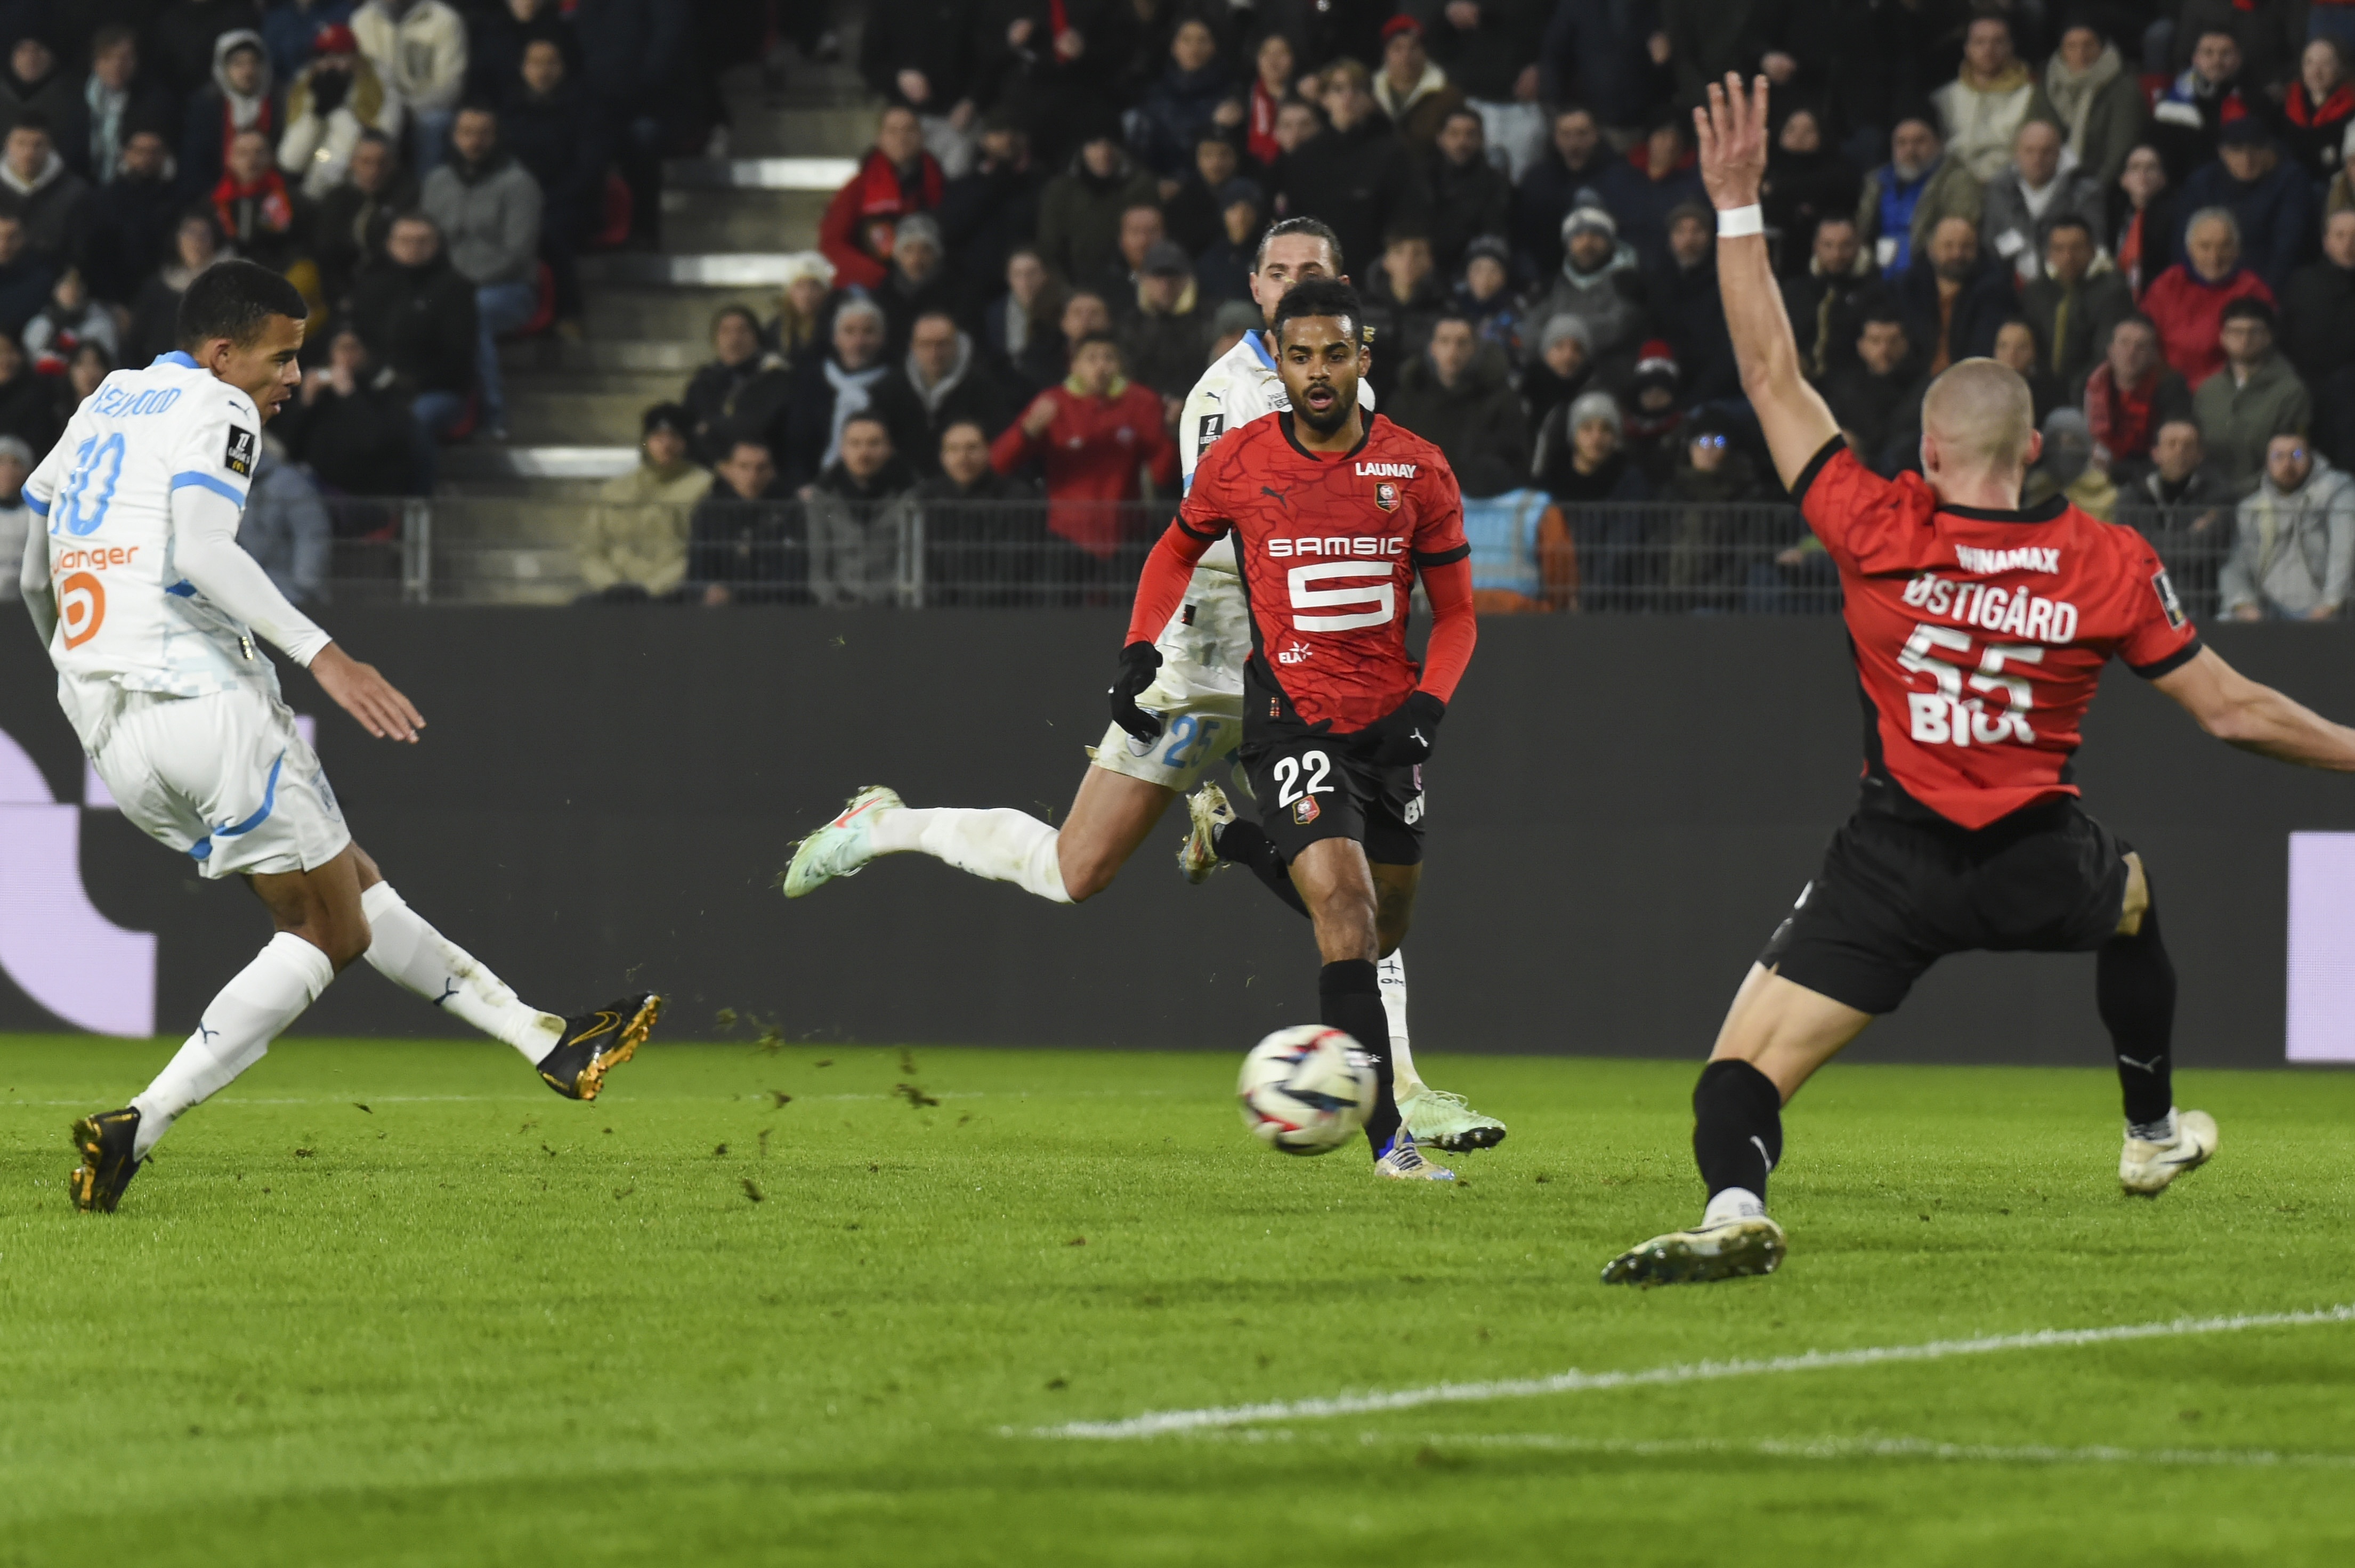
pixel 1312 787
pixel 1895 897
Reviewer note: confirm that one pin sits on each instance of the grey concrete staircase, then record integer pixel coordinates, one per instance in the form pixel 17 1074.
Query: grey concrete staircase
pixel 507 516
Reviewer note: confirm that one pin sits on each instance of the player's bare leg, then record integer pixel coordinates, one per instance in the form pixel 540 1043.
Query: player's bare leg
pixel 325 919
pixel 1435 1117
pixel 1359 912
pixel 1111 816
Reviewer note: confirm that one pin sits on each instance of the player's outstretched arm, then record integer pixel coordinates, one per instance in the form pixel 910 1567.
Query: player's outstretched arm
pixel 2254 716
pixel 1732 131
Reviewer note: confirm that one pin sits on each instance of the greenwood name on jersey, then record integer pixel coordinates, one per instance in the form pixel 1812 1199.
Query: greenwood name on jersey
pixel 1979 635
pixel 1329 545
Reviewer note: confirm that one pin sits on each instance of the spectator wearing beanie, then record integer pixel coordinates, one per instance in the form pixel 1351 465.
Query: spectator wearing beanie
pixel 896 179
pixel 1655 413
pixel 336 98
pixel 828 388
pixel 184 37
pixel 1582 463
pixel 290 28
pixel 2187 301
pixel 1561 370
pixel 635 545
pixel 1707 568
pixel 1600 284
pixel 1485 295
pixel 919 281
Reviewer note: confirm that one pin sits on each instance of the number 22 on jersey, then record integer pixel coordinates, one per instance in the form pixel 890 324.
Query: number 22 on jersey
pixel 1945 716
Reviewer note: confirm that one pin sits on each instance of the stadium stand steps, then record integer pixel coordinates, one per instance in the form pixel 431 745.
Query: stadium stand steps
pixel 505 515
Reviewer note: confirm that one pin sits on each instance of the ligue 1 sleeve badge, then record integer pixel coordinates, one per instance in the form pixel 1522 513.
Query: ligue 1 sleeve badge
pixel 1386 496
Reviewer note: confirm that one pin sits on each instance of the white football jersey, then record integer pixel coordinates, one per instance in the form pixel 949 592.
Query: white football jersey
pixel 1211 632
pixel 125 616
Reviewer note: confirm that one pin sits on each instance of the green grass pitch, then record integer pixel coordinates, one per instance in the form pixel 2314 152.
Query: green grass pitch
pixel 393 1303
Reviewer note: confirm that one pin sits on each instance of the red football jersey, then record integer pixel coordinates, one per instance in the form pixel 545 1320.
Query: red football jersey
pixel 1328 547
pixel 1979 636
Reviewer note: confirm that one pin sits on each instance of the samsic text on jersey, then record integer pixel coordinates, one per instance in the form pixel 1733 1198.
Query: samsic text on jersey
pixel 1328 547
pixel 1980 635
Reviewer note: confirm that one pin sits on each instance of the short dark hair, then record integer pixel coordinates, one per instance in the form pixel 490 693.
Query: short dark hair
pixel 1320 296
pixel 33 120
pixel 2068 221
pixel 869 417
pixel 1089 339
pixel 234 299
pixel 739 442
pixel 2134 319
pixel 724 312
pixel 1880 315
pixel 2249 308
pixel 1314 227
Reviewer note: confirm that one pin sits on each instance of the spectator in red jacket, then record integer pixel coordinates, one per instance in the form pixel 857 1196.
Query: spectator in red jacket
pixel 2130 395
pixel 2187 301
pixel 896 178
pixel 1090 435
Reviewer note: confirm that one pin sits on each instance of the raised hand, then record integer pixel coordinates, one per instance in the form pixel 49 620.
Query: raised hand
pixel 1732 128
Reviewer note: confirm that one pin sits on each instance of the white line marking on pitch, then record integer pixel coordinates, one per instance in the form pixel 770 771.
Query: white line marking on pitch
pixel 1831 1448
pixel 1155 1424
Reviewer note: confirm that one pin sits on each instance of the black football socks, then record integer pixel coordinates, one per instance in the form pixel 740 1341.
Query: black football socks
pixel 1349 997
pixel 1246 843
pixel 1737 1128
pixel 2133 988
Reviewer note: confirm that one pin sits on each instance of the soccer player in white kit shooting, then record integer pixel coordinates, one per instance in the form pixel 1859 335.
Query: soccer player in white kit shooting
pixel 150 611
pixel 1186 716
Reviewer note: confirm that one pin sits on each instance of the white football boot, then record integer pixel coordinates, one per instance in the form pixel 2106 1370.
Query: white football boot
pixel 2147 1165
pixel 1402 1162
pixel 1743 1243
pixel 842 847
pixel 1446 1121
pixel 1197 857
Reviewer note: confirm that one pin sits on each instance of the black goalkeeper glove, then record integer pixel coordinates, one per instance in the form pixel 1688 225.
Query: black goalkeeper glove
pixel 1409 733
pixel 1139 662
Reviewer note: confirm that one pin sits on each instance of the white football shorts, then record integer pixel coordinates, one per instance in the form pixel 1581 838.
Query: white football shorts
pixel 1202 723
pixel 226 779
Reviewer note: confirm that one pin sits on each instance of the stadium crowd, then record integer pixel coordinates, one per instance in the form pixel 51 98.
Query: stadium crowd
pixel 425 171
pixel 2140 207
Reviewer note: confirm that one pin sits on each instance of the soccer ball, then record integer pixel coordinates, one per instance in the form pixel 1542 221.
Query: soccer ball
pixel 1305 1090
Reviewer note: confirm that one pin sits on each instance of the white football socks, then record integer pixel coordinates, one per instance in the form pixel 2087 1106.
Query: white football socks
pixel 267 995
pixel 415 957
pixel 1391 974
pixel 1733 1203
pixel 1004 845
